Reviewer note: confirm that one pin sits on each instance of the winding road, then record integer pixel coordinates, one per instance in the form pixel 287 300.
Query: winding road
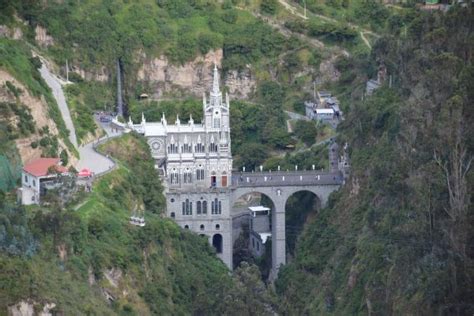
pixel 89 157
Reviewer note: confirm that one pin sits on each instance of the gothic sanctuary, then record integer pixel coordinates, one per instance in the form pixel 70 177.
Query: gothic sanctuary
pixel 195 161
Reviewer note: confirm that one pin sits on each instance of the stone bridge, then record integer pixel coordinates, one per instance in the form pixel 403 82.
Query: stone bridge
pixel 279 186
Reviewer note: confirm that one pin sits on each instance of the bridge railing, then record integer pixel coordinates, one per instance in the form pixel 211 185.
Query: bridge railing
pixel 283 178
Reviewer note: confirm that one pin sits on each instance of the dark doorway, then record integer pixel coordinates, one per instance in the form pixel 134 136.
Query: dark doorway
pixel 213 181
pixel 217 242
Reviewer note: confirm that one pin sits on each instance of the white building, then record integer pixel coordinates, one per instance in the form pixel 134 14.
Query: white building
pixel 36 176
pixel 325 114
pixel 196 163
pixel 260 229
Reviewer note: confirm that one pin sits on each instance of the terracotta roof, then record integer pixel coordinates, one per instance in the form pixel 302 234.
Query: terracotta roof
pixel 39 167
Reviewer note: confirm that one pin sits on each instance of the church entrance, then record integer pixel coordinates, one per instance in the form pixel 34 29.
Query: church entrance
pixel 217 242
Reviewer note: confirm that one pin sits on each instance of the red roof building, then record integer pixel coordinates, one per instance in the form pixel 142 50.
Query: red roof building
pixel 40 167
pixel 36 176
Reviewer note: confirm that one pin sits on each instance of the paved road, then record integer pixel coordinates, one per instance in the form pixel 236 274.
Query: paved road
pixel 54 84
pixel 93 160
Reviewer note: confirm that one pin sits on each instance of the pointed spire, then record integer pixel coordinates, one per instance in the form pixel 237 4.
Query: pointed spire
pixel 215 83
pixel 227 102
pixel 130 123
pixel 178 122
pixel 163 119
pixel 191 121
pixel 143 118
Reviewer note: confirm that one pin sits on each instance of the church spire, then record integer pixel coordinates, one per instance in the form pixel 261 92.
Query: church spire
pixel 215 83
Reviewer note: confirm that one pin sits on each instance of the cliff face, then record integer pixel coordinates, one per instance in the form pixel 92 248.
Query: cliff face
pixel 42 37
pixel 194 77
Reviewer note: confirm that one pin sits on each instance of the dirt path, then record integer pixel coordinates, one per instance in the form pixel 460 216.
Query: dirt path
pixel 294 9
pixel 366 41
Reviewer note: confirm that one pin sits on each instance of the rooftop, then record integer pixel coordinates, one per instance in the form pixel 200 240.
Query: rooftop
pixel 40 167
pixel 325 111
pixel 258 208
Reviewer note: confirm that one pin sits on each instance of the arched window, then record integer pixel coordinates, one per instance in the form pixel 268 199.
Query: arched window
pixel 213 147
pixel 186 226
pixel 216 207
pixel 187 176
pixel 199 148
pixel 173 215
pixel 201 227
pixel 186 148
pixel 199 174
pixel 198 207
pixel 204 207
pixel 172 149
pixel 217 122
pixel 174 177
pixel 188 207
pixel 218 226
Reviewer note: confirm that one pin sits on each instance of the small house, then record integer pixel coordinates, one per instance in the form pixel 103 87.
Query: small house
pixel 38 176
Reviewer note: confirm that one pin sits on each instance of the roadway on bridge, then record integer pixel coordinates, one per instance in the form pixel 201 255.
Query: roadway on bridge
pixel 288 178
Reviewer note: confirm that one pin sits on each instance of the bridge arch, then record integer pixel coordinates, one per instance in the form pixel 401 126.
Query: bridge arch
pixel 245 243
pixel 279 193
pixel 299 207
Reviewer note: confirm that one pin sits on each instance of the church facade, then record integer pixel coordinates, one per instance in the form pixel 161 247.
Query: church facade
pixel 195 162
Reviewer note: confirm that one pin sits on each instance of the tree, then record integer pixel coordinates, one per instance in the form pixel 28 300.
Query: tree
pixel 248 296
pixel 269 7
pixel 253 155
pixel 306 131
pixel 64 157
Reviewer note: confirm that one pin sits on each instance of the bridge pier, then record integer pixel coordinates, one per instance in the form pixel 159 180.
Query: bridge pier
pixel 278 234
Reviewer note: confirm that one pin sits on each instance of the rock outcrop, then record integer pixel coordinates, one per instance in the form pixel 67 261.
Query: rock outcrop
pixel 42 37
pixel 30 308
pixel 13 33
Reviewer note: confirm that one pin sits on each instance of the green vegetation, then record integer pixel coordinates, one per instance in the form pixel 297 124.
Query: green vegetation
pixel 83 98
pixel 396 239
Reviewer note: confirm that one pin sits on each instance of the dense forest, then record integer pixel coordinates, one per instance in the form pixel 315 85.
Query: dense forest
pixel 396 239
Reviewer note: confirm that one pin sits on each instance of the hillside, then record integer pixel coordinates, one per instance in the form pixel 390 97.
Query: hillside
pixel 75 257
pixel 397 240
pixel 31 124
